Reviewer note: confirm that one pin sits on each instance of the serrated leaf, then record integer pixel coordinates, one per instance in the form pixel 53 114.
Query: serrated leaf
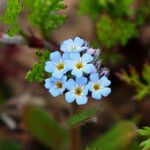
pixel 45 128
pixel 118 138
pixel 144 132
pixel 45 15
pixel 82 116
pixel 37 73
pixel 134 79
pixel 10 18
pixel 145 145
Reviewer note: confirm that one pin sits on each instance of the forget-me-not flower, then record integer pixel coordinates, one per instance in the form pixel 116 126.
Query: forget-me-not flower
pixel 76 45
pixel 78 91
pixel 99 87
pixel 81 64
pixel 57 64
pixel 56 86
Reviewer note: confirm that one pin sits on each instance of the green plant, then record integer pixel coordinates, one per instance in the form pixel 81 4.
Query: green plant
pixel 141 83
pixel 42 13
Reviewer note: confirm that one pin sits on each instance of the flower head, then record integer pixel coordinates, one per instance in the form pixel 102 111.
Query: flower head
pixel 77 91
pixel 57 64
pixel 76 45
pixel 56 86
pixel 99 87
pixel 81 64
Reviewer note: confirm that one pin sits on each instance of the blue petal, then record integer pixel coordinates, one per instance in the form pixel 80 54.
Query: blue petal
pixel 81 48
pixel 48 84
pixel 78 41
pixel 96 95
pixel 64 46
pixel 65 56
pixel 81 100
pixel 94 77
pixel 88 68
pixel 105 91
pixel 68 64
pixel 55 56
pixel 68 42
pixel 75 56
pixel 49 66
pixel 64 79
pixel 90 86
pixel 57 74
pixel 81 81
pixel 85 90
pixel 104 81
pixel 87 58
pixel 70 97
pixel 77 73
pixel 54 92
pixel 70 84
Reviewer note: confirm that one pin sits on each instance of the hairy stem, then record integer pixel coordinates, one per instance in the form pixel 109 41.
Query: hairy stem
pixel 75 134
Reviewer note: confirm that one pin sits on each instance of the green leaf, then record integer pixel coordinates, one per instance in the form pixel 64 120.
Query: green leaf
pixel 144 132
pixel 134 79
pixel 145 145
pixel 113 31
pixel 82 116
pixel 45 128
pixel 37 73
pixel 9 145
pixel 10 18
pixel 146 73
pixel 44 14
pixel 118 138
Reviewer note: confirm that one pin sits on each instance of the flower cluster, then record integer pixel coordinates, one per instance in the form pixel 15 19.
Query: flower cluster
pixel 76 72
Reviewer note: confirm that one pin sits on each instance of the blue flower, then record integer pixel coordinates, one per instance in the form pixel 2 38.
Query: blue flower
pixel 76 45
pixel 77 91
pixel 99 87
pixel 55 86
pixel 57 64
pixel 81 65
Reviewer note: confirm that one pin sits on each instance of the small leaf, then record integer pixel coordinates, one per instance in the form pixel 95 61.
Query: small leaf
pixel 118 138
pixel 134 79
pixel 82 116
pixel 45 128
pixel 37 73
pixel 10 18
pixel 44 15
pixel 144 132
pixel 145 145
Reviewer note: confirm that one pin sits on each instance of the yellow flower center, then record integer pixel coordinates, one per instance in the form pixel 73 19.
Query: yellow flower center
pixel 96 87
pixel 60 66
pixel 79 65
pixel 78 91
pixel 59 85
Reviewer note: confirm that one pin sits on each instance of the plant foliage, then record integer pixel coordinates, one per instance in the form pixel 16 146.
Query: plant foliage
pixel 116 21
pixel 141 83
pixel 10 17
pixel 118 138
pixel 44 14
pixel 82 116
pixel 145 145
pixel 37 73
pixel 45 128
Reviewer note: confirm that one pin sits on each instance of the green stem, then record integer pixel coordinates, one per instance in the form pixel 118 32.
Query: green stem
pixel 75 135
